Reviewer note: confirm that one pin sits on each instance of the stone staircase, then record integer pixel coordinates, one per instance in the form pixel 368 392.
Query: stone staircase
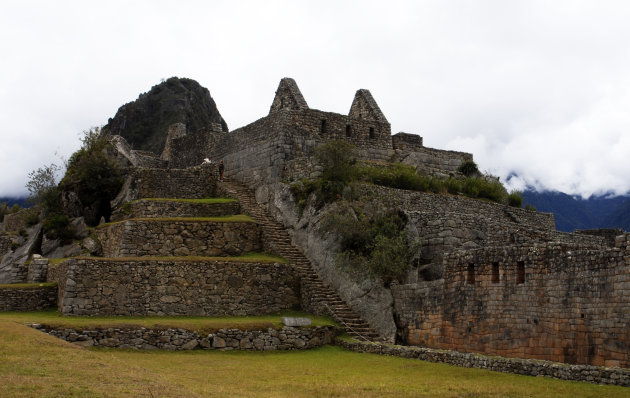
pixel 317 295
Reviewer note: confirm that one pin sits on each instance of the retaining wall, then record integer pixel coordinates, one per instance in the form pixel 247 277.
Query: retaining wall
pixel 178 237
pixel 287 338
pixel 159 208
pixel 32 298
pixel 593 374
pixel 95 286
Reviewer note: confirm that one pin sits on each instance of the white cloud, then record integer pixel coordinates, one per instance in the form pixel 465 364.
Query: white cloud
pixel 539 88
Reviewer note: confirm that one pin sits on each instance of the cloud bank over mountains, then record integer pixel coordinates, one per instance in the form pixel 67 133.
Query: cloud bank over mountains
pixel 540 89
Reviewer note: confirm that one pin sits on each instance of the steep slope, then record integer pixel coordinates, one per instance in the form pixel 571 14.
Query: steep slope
pixel 144 122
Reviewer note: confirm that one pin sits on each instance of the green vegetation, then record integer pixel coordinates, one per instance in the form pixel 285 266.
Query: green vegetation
pixel 469 168
pixel 245 258
pixel 36 364
pixel 372 238
pixel 202 201
pixel 515 199
pixel 26 285
pixel 234 218
pixel 530 207
pixel 200 324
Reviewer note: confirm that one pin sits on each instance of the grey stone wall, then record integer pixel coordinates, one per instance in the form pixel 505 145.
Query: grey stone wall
pixel 287 338
pixel 193 183
pixel 549 301
pixel 592 374
pixel 27 298
pixel 405 143
pixel 96 286
pixel 434 161
pixel 6 243
pixel 159 208
pixel 178 237
pixel 609 234
pixel 13 222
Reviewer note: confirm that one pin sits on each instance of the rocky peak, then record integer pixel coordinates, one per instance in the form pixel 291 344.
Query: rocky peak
pixel 144 122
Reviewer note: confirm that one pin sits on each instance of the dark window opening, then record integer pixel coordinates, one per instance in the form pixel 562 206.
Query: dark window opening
pixel 348 130
pixel 470 279
pixel 495 272
pixel 322 129
pixel 520 272
pixel 371 132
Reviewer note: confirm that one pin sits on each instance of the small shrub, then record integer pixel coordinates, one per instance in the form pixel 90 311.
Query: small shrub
pixel 31 217
pixel 57 226
pixel 469 168
pixel 515 199
pixel 15 208
pixel 530 207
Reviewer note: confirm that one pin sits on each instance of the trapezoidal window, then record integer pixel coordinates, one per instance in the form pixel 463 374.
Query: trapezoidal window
pixel 371 132
pixel 520 272
pixel 495 272
pixel 322 128
pixel 470 278
pixel 348 130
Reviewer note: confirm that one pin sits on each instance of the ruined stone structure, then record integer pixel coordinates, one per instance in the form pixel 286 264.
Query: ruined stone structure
pixel 491 279
pixel 271 148
pixel 543 306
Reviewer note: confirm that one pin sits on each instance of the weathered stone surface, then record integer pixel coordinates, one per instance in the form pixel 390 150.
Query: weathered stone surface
pixel 295 321
pixel 93 286
pixel 364 294
pixel 287 338
pixel 80 227
pixel 27 299
pixel 178 237
pixel 13 267
pixel 550 301
pixel 92 246
pixel 146 208
pixel 562 371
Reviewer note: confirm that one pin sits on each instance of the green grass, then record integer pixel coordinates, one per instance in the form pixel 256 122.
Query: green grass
pixel 203 201
pixel 203 325
pixel 35 364
pixel 26 285
pixel 245 258
pixel 234 218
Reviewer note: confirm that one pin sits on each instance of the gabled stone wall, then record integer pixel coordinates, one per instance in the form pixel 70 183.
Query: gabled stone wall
pixel 97 286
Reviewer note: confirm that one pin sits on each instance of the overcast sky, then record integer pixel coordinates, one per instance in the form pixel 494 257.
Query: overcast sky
pixel 536 88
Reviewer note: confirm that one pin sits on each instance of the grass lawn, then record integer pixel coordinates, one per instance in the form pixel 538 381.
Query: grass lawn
pixel 200 324
pixel 33 364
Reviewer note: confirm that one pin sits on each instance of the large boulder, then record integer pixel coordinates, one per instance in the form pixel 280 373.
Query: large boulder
pixel 13 268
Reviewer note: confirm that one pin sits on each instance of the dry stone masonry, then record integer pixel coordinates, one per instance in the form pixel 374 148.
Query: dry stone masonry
pixel 287 338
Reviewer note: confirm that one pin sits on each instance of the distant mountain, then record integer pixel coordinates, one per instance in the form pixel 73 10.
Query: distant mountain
pixel 576 213
pixel 11 201
pixel 144 122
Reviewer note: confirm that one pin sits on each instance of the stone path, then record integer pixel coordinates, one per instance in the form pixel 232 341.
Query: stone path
pixel 317 294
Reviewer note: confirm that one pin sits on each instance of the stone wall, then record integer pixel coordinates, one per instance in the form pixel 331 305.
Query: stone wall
pixel 287 338
pixel 32 298
pixel 548 301
pixel 592 374
pixel 14 222
pixel 158 208
pixel 6 243
pixel 178 237
pixel 609 234
pixel 404 142
pixel 193 183
pixel 139 287
pixel 435 161
pixel 434 203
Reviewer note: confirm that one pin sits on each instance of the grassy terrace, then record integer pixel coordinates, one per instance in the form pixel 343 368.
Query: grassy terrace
pixel 36 364
pixel 202 201
pixel 234 218
pixel 245 258
pixel 203 325
pixel 26 285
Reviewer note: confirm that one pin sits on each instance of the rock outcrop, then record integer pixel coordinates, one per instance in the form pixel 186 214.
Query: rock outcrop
pixel 144 122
